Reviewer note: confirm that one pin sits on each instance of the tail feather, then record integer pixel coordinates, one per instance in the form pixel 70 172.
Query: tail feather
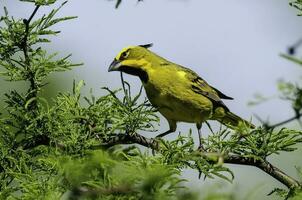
pixel 230 119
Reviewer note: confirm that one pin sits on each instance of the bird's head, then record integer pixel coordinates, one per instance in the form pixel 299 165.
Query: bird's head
pixel 132 60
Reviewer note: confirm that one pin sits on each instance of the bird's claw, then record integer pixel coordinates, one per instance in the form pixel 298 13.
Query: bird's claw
pixel 201 148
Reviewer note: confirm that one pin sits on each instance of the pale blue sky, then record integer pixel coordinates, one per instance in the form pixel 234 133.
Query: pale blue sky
pixel 234 45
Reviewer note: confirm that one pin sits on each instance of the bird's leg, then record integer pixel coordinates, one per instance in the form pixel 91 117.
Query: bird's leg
pixel 172 128
pixel 198 125
pixel 165 133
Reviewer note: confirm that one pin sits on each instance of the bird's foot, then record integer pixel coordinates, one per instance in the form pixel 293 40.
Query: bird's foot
pixel 201 148
pixel 156 139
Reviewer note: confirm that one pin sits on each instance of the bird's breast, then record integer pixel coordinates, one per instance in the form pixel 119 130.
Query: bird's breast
pixel 175 100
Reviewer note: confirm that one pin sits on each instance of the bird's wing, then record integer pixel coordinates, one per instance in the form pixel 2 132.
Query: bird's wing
pixel 221 95
pixel 200 86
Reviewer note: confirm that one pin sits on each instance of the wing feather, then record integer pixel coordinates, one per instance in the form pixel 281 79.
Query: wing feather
pixel 221 95
pixel 200 86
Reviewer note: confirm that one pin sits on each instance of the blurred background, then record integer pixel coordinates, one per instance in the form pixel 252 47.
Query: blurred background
pixel 234 45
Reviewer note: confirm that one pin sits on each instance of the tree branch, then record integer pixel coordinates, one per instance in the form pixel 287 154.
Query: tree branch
pixel 130 139
pixel 296 117
pixel 268 126
pixel 25 39
pixel 265 166
pixel 33 91
pixel 262 164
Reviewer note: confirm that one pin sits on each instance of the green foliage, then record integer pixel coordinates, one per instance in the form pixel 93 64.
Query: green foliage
pixel 58 151
pixel 132 115
pixel 297 4
pixel 258 98
pixel 258 143
pixel 79 127
pixel 36 62
pixel 289 91
pixel 104 175
pixel 46 152
pixel 182 154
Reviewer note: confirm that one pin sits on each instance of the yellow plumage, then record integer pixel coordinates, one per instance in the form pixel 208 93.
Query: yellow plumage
pixel 177 92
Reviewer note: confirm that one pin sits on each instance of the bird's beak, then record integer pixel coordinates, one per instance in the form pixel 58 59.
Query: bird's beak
pixel 114 66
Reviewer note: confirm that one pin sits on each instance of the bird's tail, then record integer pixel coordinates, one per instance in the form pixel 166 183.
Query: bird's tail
pixel 230 119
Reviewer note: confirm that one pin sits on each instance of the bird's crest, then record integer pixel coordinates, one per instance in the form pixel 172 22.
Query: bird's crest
pixel 147 46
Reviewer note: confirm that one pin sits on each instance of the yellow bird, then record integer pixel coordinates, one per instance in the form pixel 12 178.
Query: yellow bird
pixel 178 93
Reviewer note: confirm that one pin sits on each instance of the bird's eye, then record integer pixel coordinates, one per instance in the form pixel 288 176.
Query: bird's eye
pixel 124 55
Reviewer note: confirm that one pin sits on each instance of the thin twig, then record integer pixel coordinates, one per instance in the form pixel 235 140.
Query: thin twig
pixel 25 39
pixel 265 166
pixel 33 91
pixel 123 83
pixel 296 117
pixel 130 139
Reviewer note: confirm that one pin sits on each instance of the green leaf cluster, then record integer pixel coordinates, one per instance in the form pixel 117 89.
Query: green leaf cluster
pixel 298 5
pixel 53 149
pixel 18 37
pixel 47 152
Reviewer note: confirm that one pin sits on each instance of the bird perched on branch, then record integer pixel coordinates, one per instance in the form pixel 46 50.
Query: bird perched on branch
pixel 178 93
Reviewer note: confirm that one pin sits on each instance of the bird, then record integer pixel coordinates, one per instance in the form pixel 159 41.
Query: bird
pixel 177 92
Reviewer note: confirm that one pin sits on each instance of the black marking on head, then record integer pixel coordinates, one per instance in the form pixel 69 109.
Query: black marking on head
pixel 146 45
pixel 124 55
pixel 142 74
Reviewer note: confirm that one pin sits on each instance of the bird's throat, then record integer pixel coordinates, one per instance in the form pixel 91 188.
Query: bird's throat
pixel 142 74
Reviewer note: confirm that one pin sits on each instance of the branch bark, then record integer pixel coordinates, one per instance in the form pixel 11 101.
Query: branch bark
pixel 33 91
pixel 265 166
pixel 262 164
pixel 296 117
